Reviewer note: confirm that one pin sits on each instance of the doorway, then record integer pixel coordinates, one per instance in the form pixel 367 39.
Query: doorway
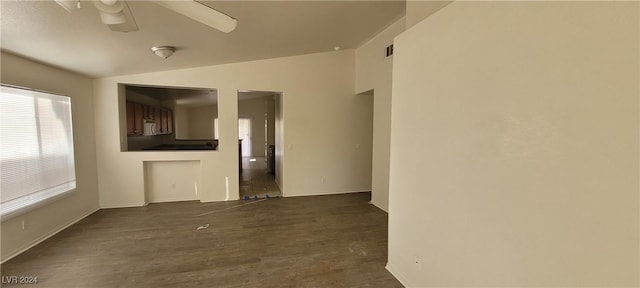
pixel 244 134
pixel 257 131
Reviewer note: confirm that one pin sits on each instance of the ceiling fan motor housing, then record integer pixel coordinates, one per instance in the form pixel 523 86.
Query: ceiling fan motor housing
pixel 111 11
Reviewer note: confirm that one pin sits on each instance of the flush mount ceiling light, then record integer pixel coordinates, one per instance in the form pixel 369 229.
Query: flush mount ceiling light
pixel 163 51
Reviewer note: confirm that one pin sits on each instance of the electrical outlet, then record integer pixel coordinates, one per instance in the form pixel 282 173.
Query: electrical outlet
pixel 357 146
pixel 173 186
pixel 24 225
pixel 419 262
pixel 324 180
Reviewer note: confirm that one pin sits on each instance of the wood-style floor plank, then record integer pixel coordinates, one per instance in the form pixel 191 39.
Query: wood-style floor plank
pixel 315 241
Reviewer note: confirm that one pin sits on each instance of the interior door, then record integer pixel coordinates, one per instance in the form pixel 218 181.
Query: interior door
pixel 266 136
pixel 244 132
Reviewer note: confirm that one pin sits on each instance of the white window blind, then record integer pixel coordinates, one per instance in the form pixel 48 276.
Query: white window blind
pixel 37 162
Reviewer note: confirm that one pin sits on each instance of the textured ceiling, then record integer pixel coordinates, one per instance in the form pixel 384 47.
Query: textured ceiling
pixel 78 41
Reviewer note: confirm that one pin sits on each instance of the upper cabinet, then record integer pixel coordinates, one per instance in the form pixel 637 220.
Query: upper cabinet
pixel 138 114
pixel 131 126
pixel 170 121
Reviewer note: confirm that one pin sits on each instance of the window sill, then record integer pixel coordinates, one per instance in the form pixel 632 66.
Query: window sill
pixel 33 206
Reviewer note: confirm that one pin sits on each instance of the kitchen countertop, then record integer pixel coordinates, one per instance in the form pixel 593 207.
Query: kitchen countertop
pixel 178 147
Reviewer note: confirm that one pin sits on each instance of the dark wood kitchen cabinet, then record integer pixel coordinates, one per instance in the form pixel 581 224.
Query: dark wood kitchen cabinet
pixel 163 121
pixel 169 121
pixel 138 110
pixel 131 126
pixel 148 112
pixel 156 117
pixel 152 113
pixel 137 113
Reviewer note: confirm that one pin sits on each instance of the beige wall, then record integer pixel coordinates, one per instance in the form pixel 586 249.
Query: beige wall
pixel 271 119
pixel 181 122
pixel 316 146
pixel 200 121
pixel 373 71
pixel 255 109
pixel 45 221
pixel 167 181
pixel 514 152
pixel 418 10
pixel 279 138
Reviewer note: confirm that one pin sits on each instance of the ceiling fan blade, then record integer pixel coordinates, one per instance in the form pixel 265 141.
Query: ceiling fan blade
pixel 128 26
pixel 117 15
pixel 69 5
pixel 202 13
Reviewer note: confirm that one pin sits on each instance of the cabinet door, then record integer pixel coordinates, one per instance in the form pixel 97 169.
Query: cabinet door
pixel 163 120
pixel 138 116
pixel 145 112
pixel 166 121
pixel 156 117
pixel 169 121
pixel 131 126
pixel 152 112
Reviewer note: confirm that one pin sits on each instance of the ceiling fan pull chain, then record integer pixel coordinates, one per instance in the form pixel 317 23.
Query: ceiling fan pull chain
pixel 78 4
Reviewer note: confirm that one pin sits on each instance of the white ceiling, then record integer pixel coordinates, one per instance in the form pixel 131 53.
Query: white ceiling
pixel 78 41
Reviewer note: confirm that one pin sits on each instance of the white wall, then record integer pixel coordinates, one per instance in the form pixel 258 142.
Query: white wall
pixel 323 122
pixel 167 181
pixel 373 71
pixel 514 152
pixel 45 221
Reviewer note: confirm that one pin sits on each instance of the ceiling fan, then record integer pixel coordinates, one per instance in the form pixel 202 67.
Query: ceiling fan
pixel 117 15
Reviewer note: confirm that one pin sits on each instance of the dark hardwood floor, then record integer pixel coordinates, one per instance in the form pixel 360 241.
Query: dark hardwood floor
pixel 316 241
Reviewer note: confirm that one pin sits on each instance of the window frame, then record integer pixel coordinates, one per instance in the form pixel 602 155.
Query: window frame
pixel 53 193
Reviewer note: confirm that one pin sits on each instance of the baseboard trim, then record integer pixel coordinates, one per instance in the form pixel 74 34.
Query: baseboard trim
pixel 379 206
pixel 47 236
pixel 326 193
pixel 403 280
pixel 124 205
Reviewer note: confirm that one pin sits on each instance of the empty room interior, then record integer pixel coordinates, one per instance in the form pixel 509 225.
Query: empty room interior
pixel 320 143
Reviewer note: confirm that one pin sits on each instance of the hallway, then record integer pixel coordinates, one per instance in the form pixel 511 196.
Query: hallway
pixel 255 179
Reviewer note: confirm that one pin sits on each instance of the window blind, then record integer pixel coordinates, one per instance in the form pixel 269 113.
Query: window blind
pixel 37 159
